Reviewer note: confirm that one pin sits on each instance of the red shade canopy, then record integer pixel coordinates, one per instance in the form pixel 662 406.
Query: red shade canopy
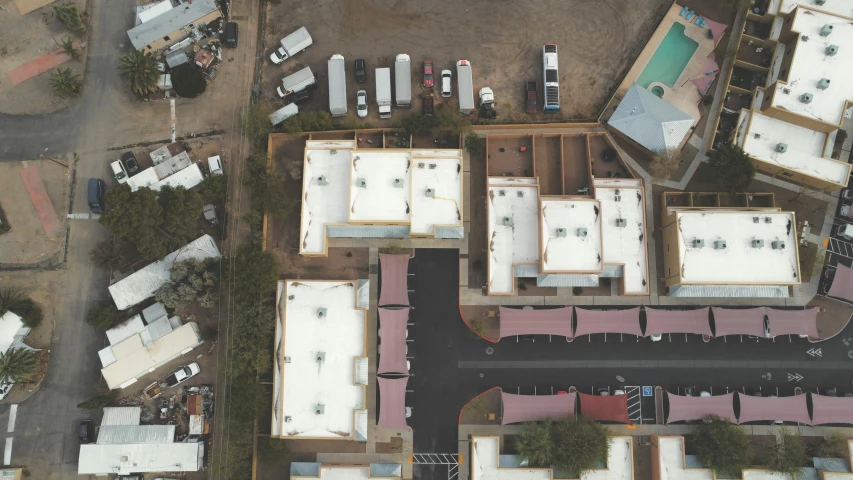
pixel 530 408
pixel 842 283
pixel 392 402
pixel 677 321
pixel 551 321
pixel 612 408
pixel 608 321
pixel 793 322
pixel 392 340
pixel 738 321
pixel 831 410
pixel 394 288
pixel 683 408
pixel 787 409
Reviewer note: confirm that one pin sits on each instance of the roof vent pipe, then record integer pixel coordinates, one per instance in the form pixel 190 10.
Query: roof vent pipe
pixel 832 50
pixel 782 147
pixel 806 98
pixel 825 30
pixel 823 84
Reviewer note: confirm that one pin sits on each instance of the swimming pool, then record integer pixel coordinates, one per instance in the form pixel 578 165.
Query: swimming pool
pixel 669 60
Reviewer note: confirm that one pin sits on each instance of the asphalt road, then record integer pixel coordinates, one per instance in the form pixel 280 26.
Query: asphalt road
pixel 450 365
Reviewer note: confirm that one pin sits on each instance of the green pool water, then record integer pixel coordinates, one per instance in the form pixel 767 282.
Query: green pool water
pixel 669 60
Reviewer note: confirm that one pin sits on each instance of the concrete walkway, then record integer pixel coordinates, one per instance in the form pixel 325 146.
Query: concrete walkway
pixel 41 202
pixel 37 66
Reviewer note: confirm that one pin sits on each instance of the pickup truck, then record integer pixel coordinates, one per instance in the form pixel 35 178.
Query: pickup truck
pixel 182 374
pixel 531 97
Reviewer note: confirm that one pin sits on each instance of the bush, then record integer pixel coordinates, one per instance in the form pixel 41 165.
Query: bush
pixel 209 333
pixel 730 168
pixel 70 16
pixel 707 100
pixel 98 402
pixel 213 189
pixel 574 445
pixel 311 121
pixel 267 185
pixel 188 81
pixel 787 454
pixel 190 280
pixel 577 290
pixel 15 301
pixel 833 445
pixel 475 145
pixel 272 450
pixel 256 122
pixel 104 316
pixel 722 446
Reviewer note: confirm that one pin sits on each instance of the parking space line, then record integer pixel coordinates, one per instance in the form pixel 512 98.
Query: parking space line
pixel 13 415
pixel 7 453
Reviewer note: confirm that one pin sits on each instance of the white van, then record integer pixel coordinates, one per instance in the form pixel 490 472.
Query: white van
pixel 214 163
pixel 119 172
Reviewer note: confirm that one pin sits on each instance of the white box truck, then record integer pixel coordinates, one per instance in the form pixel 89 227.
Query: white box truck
pixel 465 85
pixel 383 92
pixel 291 45
pixel 403 80
pixel 296 82
pixel 337 86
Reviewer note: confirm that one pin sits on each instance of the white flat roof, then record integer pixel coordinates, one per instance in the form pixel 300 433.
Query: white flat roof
pixel 838 7
pixel 671 456
pixel 624 245
pixel 739 261
pixel 442 174
pixel 123 459
pixel 811 64
pixel 385 196
pixel 319 359
pixel 805 148
pixel 344 473
pixel 323 204
pixel 577 248
pixel 188 178
pixel 12 331
pixel 127 329
pixel 516 244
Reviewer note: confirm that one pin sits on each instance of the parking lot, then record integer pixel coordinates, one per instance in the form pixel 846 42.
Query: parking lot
pixel 503 40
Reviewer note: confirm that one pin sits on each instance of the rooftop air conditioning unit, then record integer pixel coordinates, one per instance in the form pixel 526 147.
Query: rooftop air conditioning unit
pixel 768 219
pixel 501 193
pixel 321 312
pixel 291 297
pixel 832 50
pixel 519 194
pixel 432 166
pixel 507 221
pixel 287 419
pixel 320 409
pixel 698 243
pixel 398 183
pixel 321 357
pixel 361 182
pixel 777 245
pixel 286 359
pixel 621 222
pixel 430 193
pixel 321 180
pixel 806 98
pixel 823 83
pixel 756 243
pixel 616 192
pixel 561 232
pixel 582 232
pixel 820 2
pixel 420 164
pixel 757 136
pixel 335 152
pixel 719 244
pixel 755 219
pixel 825 30
pixel 782 147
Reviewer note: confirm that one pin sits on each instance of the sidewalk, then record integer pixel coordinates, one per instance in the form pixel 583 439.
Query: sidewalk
pixel 37 66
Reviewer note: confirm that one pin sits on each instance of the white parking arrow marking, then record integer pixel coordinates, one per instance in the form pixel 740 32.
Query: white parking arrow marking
pixel 794 377
pixel 815 352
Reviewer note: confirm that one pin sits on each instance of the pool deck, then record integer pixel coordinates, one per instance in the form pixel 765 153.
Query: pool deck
pixel 684 95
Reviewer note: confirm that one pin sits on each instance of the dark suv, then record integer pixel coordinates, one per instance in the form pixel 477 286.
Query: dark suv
pixel 130 163
pixel 360 70
pixel 86 432
pixel 298 98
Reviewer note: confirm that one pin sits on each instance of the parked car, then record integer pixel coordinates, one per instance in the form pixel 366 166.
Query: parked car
pixel 214 163
pixel 604 391
pixel 183 374
pixel 298 98
pixel 229 37
pixel 618 392
pixel 210 215
pixel 656 337
pixel 95 192
pixel 119 172
pixel 361 103
pixel 130 163
pixel 429 104
pixel 86 432
pixel 531 97
pixel 428 82
pixel 408 412
pixel 446 77
pixel 360 70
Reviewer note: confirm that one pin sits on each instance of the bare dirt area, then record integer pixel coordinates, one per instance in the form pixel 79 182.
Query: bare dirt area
pixel 23 38
pixel 27 242
pixel 503 40
pixel 510 156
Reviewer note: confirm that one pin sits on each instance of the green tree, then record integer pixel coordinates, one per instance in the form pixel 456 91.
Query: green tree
pixel 68 48
pixel 834 445
pixel 310 121
pixel 256 122
pixel 98 402
pixel 70 16
pixel 141 71
pixel 731 169
pixel 109 255
pixel 448 119
pixel 535 443
pixel 416 123
pixel 580 444
pixel 722 446
pixel 213 188
pixel 788 453
pixel 272 451
pixel 188 81
pixel 181 211
pixel 267 185
pixel 475 145
pixel 18 364
pixel 190 280
pixel 14 300
pixel 65 83
pixel 104 316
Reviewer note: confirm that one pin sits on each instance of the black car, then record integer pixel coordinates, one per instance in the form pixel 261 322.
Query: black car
pixel 86 432
pixel 298 98
pixel 130 164
pixel 360 70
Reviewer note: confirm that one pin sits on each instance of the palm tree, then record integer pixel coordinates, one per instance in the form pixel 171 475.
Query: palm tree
pixel 65 83
pixel 12 299
pixel 18 364
pixel 67 45
pixel 141 71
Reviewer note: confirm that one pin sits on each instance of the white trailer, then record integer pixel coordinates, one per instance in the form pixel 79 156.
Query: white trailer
pixel 383 92
pixel 337 86
pixel 465 85
pixel 283 114
pixel 403 80
pixel 291 45
pixel 296 82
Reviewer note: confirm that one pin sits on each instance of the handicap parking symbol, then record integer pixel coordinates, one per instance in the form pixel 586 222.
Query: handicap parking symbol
pixel 647 392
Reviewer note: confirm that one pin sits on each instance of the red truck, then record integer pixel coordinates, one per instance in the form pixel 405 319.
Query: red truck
pixel 531 97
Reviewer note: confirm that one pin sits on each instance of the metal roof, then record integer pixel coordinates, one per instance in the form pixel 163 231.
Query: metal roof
pixel 131 434
pixel 728 291
pixel 363 294
pixel 450 232
pixel 121 416
pixel 305 469
pixel 525 271
pixel 154 312
pixel 171 21
pixel 386 470
pixel 559 280
pixel 651 121
pixel 367 231
pixel 123 459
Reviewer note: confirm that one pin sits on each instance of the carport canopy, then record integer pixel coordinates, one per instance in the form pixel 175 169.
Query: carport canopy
pixel 530 408
pixel 683 408
pixel 612 408
pixel 677 321
pixel 608 321
pixel 392 402
pixel 787 409
pixel 826 410
pixel 792 322
pixel 394 285
pixel 738 321
pixel 551 321
pixel 392 341
pixel 842 283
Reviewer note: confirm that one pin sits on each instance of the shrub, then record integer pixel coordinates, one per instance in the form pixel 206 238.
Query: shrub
pixel 15 301
pixel 98 402
pixel 104 316
pixel 577 290
pixel 188 81
pixel 272 450
pixel 70 16
pixel 209 333
pixel 190 280
pixel 475 145
pixel 722 446
pixel 707 100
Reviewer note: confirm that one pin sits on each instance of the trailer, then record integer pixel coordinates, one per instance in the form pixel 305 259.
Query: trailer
pixel 551 75
pixel 403 81
pixel 465 85
pixel 383 92
pixel 337 86
pixel 283 114
pixel 296 82
pixel 291 45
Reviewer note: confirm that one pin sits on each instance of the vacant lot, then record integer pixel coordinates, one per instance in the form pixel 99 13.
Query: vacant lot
pixel 598 41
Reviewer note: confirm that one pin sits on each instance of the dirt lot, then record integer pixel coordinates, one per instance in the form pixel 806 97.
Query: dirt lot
pixel 23 38
pixel 598 42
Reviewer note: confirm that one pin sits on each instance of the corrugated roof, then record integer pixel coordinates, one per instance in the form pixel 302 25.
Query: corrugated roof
pixel 121 416
pixel 560 280
pixel 611 271
pixel 728 291
pixel 831 464
pixel 155 330
pixel 450 232
pixel 363 294
pixel 123 459
pixel 133 434
pixel 525 271
pixel 171 21
pixel 367 231
pixel 386 470
pixel 361 425
pixel 154 312
pixel 305 469
pixel 651 121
